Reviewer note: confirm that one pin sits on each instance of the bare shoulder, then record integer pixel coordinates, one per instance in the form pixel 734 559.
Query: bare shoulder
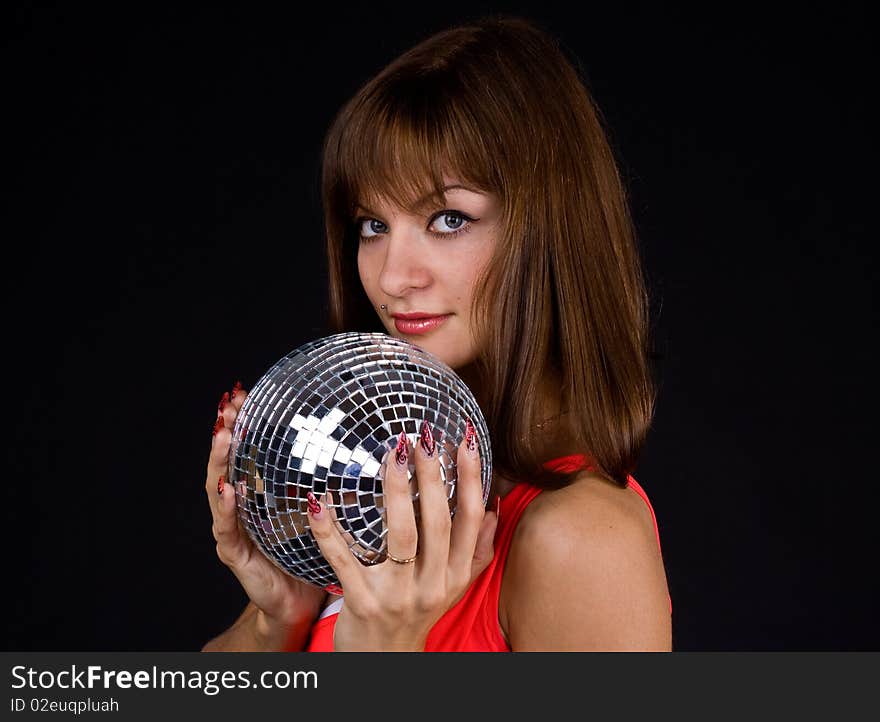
pixel 584 572
pixel 590 505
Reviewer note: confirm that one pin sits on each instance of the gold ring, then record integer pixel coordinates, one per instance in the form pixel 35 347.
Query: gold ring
pixel 401 561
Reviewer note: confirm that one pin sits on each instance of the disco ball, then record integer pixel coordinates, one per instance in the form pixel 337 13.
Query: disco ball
pixel 324 417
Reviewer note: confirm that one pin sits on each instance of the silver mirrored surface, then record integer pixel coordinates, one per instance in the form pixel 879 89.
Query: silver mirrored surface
pixel 325 417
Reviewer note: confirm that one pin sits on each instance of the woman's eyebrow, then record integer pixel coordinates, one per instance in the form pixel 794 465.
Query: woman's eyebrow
pixel 422 201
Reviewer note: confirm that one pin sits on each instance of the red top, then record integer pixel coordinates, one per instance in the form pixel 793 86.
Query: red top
pixel 472 624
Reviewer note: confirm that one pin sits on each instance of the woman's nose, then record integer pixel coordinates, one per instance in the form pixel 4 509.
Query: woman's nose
pixel 406 263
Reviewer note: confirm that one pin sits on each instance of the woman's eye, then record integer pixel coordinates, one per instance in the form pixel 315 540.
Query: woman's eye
pixel 452 221
pixel 370 227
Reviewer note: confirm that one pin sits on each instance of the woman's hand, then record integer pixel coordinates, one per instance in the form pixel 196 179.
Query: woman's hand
pixel 393 605
pixel 284 602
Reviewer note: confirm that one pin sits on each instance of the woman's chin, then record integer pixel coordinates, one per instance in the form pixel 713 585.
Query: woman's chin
pixel 444 346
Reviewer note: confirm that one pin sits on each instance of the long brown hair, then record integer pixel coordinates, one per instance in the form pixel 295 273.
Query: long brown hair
pixel 497 104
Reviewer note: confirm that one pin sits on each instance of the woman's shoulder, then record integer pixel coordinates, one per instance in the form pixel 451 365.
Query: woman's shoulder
pixel 579 556
pixel 590 506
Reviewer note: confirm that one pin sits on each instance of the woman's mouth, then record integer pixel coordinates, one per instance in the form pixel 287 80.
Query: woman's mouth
pixel 419 325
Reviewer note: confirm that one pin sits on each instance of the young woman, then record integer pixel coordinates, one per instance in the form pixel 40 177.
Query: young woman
pixel 473 206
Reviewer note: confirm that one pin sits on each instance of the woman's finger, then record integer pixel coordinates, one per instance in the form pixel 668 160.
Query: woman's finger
pixel 230 404
pixel 323 525
pixel 434 519
pixel 218 459
pixel 233 546
pixel 237 396
pixel 402 539
pixel 469 510
pixel 484 551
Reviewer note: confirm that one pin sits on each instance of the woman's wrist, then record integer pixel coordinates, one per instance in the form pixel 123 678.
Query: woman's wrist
pixel 255 631
pixel 274 635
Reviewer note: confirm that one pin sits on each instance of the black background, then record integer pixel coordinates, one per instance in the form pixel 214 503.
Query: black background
pixel 163 238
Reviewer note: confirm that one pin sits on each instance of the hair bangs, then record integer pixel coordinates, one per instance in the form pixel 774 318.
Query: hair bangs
pixel 400 148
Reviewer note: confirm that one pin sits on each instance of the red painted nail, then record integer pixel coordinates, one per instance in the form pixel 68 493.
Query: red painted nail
pixel 218 424
pixel 236 389
pixel 223 401
pixel 470 435
pixel 498 507
pixel 220 486
pixel 427 439
pixel 333 589
pixel 314 505
pixel 401 452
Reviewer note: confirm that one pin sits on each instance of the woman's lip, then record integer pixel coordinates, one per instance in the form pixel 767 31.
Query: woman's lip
pixel 419 325
pixel 416 315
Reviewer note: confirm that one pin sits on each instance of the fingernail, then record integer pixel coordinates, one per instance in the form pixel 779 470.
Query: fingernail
pixel 218 424
pixel 220 485
pixel 498 507
pixel 333 589
pixel 236 389
pixel 314 505
pixel 223 401
pixel 427 439
pixel 401 452
pixel 470 436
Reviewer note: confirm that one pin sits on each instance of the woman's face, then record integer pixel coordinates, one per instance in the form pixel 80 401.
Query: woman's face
pixel 426 264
